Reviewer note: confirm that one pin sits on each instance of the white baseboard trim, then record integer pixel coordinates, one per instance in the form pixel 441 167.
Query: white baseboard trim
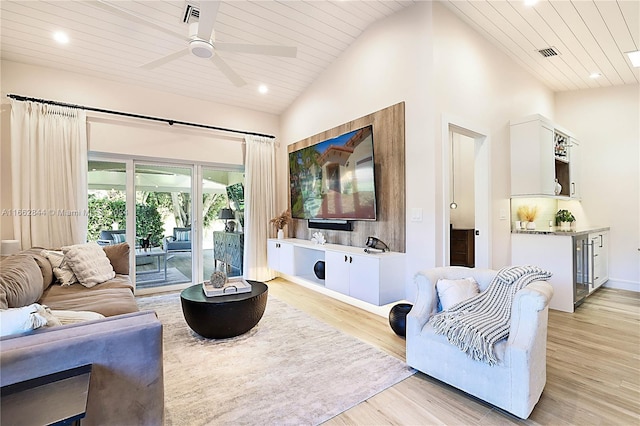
pixel 382 311
pixel 623 284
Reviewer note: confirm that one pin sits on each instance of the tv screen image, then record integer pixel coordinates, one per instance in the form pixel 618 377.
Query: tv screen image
pixel 334 179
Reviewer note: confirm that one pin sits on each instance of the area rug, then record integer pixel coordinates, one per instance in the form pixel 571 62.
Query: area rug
pixel 156 279
pixel 289 369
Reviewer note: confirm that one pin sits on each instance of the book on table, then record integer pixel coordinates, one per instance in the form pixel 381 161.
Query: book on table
pixel 231 287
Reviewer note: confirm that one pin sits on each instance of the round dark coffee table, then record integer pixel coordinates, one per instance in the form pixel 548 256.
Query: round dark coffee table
pixel 221 317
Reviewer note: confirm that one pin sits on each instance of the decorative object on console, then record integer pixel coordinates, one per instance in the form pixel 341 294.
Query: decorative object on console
pixel 280 221
pixel 374 245
pixel 226 214
pixel 398 318
pixel 564 218
pixel 318 269
pixel 318 238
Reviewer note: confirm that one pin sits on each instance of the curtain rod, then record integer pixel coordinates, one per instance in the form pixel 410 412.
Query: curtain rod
pixel 128 114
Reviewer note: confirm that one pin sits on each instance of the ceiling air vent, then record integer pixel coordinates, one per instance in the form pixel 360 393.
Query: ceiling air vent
pixel 190 12
pixel 548 52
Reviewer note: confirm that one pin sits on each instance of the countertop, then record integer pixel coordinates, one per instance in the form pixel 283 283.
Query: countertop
pixel 555 230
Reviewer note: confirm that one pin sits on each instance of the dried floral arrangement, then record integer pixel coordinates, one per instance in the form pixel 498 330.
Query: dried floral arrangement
pixel 282 219
pixel 528 213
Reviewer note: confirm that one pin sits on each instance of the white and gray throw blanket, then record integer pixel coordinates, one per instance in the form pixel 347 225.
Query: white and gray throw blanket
pixel 477 324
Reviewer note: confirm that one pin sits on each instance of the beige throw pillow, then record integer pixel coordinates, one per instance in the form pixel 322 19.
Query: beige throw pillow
pixel 61 268
pixel 89 263
pixel 452 292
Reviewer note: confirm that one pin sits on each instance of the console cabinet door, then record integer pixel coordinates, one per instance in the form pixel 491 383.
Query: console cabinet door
pixel 280 257
pixel 364 278
pixel 574 170
pixel 337 271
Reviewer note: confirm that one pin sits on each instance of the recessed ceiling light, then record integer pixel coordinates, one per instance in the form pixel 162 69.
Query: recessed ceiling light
pixel 595 75
pixel 61 37
pixel 530 3
pixel 263 89
pixel 634 57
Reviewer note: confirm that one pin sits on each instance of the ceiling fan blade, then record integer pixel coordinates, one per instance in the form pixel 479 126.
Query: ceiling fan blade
pixel 208 13
pixel 165 59
pixel 117 11
pixel 259 49
pixel 227 71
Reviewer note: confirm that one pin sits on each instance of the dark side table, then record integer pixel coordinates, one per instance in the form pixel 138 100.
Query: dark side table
pixel 221 317
pixel 55 399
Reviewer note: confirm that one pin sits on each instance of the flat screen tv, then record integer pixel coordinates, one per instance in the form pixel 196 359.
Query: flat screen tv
pixel 334 179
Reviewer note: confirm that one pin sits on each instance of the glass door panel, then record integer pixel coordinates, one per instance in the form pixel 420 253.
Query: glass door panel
pixel 163 225
pixel 107 189
pixel 222 220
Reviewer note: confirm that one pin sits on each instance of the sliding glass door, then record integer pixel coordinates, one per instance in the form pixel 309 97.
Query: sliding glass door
pixel 164 211
pixel 223 221
pixel 167 221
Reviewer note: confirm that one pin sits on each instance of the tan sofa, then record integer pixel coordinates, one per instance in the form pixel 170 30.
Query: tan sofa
pixel 124 349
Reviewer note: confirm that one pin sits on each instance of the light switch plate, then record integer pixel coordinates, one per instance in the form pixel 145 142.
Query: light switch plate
pixel 416 214
pixel 503 214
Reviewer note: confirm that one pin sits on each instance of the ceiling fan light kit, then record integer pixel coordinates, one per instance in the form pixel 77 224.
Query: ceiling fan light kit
pixel 201 48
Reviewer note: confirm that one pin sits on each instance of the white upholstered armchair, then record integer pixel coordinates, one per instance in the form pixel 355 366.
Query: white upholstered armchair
pixel 516 382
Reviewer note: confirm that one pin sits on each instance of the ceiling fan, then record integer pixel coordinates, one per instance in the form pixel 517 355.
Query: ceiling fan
pixel 201 39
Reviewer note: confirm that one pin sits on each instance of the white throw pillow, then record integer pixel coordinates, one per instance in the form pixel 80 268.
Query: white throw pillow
pixel 61 268
pixel 89 263
pixel 19 320
pixel 452 292
pixel 72 317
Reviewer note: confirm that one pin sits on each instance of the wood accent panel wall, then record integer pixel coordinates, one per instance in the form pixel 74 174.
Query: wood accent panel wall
pixel 389 155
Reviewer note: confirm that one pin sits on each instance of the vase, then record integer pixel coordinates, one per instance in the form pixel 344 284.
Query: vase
pixel 565 226
pixel 558 188
pixel 280 234
pixel 531 226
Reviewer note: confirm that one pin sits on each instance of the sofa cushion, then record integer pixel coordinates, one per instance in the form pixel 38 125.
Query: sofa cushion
pixel 61 269
pixel 113 297
pixel 46 269
pixel 89 263
pixel 452 292
pixel 21 280
pixel 118 255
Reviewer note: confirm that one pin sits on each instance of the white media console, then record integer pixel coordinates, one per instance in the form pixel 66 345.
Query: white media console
pixel 377 278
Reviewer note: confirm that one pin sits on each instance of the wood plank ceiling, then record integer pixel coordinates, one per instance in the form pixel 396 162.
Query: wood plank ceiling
pixel 590 36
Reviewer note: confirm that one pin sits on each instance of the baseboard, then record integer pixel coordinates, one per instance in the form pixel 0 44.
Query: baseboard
pixel 382 311
pixel 623 284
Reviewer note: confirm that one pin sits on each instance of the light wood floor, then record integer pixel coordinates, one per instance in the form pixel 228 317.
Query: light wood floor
pixel 593 367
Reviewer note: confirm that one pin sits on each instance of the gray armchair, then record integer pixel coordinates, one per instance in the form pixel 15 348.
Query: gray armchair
pixel 179 241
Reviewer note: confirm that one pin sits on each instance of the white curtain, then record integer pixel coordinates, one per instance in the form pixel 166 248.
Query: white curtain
pixel 49 174
pixel 260 199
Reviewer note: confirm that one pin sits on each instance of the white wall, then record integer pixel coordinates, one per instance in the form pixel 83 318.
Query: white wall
pixel 427 57
pixel 117 135
pixel 607 124
pixel 476 83
pixel 389 63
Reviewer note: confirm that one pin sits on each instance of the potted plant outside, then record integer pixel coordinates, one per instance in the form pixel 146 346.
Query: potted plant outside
pixel 564 218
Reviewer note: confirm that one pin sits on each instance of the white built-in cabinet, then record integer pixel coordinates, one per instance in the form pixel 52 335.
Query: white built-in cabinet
pixel 541 154
pixel 373 278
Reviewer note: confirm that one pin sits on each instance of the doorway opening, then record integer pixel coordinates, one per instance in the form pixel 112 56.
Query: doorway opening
pixel 466 195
